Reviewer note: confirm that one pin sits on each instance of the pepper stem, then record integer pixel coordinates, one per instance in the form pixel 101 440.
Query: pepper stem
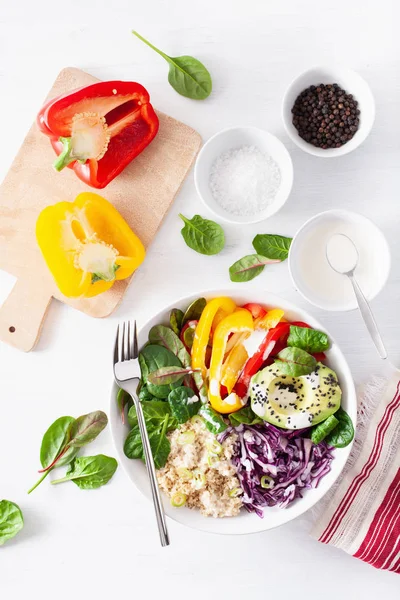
pixel 65 158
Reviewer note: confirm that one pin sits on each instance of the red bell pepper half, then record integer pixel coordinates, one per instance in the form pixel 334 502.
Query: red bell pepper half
pixel 254 364
pixel 99 129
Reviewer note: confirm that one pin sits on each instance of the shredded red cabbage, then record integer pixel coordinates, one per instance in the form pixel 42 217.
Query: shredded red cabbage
pixel 289 458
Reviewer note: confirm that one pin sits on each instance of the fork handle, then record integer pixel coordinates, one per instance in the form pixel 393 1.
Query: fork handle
pixel 151 469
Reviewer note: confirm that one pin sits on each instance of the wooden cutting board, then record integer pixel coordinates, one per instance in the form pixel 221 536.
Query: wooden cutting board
pixel 142 193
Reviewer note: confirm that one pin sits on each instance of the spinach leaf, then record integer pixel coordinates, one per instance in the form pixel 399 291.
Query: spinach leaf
pixel 310 340
pixel 214 422
pixel 151 359
pixel 187 75
pixel 164 336
pixel 175 320
pixel 54 450
pixel 194 310
pixel 244 415
pixel 343 433
pixel 295 362
pixel 320 431
pixel 159 443
pixel 169 375
pixel 184 404
pixel 133 444
pixel 90 472
pixel 154 414
pixel 272 246
pixel 54 441
pixel 248 267
pixel 202 235
pixel 65 436
pixel 86 428
pixel 144 395
pixel 11 520
pixel 123 401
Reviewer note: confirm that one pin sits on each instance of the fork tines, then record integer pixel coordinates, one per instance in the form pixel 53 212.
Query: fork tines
pixel 126 344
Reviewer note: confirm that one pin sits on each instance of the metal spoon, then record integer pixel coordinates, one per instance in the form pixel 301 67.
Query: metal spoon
pixel 342 255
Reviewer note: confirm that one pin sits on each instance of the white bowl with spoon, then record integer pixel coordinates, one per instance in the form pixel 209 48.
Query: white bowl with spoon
pixel 311 273
pixel 231 160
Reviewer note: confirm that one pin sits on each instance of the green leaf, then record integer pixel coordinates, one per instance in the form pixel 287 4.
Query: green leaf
pixel 214 422
pixel 194 310
pixel 343 433
pixel 133 444
pixel 188 335
pixel 152 358
pixel 175 320
pixel 144 394
pixel 272 246
pixel 244 415
pixel 295 362
pixel 168 375
pixel 320 431
pixel 123 401
pixel 184 404
pixel 187 75
pixel 248 267
pixel 86 428
pixel 164 336
pixel 54 441
pixel 90 472
pixel 310 340
pixel 202 235
pixel 154 413
pixel 11 520
pixel 159 443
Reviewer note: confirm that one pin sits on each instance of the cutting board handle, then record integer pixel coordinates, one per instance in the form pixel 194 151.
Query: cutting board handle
pixel 22 315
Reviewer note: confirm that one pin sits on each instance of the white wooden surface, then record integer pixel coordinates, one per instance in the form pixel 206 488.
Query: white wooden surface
pixel 102 543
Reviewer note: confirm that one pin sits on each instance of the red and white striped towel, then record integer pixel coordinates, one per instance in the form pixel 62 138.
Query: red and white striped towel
pixel 362 516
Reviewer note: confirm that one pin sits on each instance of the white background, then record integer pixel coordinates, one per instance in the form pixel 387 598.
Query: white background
pixel 95 544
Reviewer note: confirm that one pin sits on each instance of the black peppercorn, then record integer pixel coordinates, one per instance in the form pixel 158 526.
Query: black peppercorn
pixel 325 115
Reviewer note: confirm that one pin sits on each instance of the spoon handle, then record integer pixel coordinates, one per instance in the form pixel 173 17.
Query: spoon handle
pixel 369 319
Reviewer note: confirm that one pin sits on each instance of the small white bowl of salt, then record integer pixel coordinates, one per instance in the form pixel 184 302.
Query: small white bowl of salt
pixel 244 175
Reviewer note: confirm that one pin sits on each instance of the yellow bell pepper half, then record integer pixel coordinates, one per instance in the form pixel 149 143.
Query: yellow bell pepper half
pixel 239 321
pixel 203 329
pixel 87 245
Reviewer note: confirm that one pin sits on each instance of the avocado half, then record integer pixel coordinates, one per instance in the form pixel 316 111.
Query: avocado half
pixel 295 402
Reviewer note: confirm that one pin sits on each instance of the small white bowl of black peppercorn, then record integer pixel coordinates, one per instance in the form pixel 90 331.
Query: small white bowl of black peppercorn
pixel 328 111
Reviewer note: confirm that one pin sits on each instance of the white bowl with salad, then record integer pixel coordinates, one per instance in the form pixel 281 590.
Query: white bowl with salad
pixel 250 406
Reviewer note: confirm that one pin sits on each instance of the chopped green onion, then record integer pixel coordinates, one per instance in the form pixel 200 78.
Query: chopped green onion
pixel 199 479
pixel 186 438
pixel 266 482
pixel 214 447
pixel 197 419
pixel 235 492
pixel 212 459
pixel 178 500
pixel 184 473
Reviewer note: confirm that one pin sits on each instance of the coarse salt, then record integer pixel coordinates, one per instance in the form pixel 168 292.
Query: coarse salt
pixel 244 181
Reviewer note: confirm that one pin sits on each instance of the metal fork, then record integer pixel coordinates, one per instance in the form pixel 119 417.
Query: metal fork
pixel 127 377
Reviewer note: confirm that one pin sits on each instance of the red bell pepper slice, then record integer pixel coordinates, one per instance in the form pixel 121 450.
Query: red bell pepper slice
pixel 255 362
pixel 319 356
pixel 256 310
pixel 99 129
pixel 301 324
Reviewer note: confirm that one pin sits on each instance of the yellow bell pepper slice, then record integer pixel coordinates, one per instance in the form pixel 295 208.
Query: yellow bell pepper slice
pixel 203 329
pixel 87 245
pixel 233 366
pixel 271 319
pixel 239 321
